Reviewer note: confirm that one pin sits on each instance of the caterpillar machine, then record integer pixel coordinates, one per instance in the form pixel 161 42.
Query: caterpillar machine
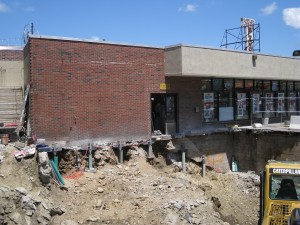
pixel 280 193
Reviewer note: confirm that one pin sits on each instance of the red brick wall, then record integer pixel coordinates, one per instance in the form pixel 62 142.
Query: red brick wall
pixel 82 90
pixel 11 55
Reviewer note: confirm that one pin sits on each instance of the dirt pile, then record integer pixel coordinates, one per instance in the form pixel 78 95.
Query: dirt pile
pixel 131 193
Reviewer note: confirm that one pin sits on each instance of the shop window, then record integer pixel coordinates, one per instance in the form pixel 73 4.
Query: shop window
pixel 266 85
pixel 256 105
pixel 206 85
pixel 217 84
pixel 297 86
pixel 275 86
pixel 290 86
pixel 248 85
pixel 269 104
pixel 241 106
pixel 225 106
pixel 281 109
pixel 282 86
pixel 291 104
pixel 228 84
pixel 239 84
pixel 257 85
pixel 209 104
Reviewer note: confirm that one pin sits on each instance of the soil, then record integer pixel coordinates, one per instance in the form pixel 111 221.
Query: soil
pixel 135 192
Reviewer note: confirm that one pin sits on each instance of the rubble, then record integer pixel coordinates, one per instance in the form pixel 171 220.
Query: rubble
pixel 134 192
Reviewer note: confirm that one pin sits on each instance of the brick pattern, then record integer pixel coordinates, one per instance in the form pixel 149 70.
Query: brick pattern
pixel 11 55
pixel 82 90
pixel 189 95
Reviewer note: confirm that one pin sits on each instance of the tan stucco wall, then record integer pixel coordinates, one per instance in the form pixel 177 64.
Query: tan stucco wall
pixel 210 62
pixel 11 73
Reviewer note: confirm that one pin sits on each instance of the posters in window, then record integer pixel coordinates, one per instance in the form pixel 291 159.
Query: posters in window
pixel 280 103
pixel 241 104
pixel 209 105
pixel 255 103
pixel 292 101
pixel 269 102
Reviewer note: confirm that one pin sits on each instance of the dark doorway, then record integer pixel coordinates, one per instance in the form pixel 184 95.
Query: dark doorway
pixel 163 108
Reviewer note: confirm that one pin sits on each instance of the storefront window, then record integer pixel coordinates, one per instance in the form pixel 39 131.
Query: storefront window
pixel 281 103
pixel 239 84
pixel 217 84
pixel 292 108
pixel 206 85
pixel 275 85
pixel 269 104
pixel 282 85
pixel 248 85
pixel 290 85
pixel 242 109
pixel 225 106
pixel 297 86
pixel 266 85
pixel 256 105
pixel 228 84
pixel 209 110
pixel 257 85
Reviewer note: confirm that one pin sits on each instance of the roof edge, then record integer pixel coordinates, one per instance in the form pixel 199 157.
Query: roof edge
pixel 91 41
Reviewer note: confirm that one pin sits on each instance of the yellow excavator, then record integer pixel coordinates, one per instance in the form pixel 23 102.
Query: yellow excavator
pixel 280 193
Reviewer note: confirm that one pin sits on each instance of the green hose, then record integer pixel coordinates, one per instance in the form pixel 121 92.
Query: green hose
pixel 57 172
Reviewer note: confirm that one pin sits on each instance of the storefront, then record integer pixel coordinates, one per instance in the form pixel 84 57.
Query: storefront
pixel 231 87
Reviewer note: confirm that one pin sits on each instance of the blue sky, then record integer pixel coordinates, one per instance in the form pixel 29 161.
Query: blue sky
pixel 156 22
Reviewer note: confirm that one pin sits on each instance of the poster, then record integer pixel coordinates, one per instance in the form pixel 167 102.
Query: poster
pixel 209 105
pixel 241 104
pixel 280 103
pixel 269 102
pixel 292 102
pixel 255 103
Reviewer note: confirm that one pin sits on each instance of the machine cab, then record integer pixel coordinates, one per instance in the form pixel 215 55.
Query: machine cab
pixel 280 193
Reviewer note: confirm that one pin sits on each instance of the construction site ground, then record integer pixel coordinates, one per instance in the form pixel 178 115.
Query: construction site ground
pixel 135 192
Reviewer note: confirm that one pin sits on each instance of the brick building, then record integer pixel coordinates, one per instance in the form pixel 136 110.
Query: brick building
pixel 83 90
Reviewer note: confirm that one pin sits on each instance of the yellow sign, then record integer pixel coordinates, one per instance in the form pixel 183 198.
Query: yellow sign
pixel 164 86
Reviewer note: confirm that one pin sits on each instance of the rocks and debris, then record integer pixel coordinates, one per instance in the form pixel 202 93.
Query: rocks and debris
pixel 134 192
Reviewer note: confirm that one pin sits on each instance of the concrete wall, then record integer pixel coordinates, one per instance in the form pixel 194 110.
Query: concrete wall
pixel 209 62
pixel 87 90
pixel 251 151
pixel 11 67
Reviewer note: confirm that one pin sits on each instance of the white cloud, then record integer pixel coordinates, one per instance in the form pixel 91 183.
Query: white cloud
pixel 3 7
pixel 291 17
pixel 269 9
pixel 189 8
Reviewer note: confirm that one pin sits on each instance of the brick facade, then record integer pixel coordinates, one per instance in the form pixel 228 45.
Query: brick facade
pixel 85 90
pixel 11 55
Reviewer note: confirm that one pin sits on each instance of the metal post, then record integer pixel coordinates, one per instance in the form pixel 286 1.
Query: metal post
pixel 90 169
pixel 150 150
pixel 120 152
pixel 203 165
pixel 55 155
pixel 183 158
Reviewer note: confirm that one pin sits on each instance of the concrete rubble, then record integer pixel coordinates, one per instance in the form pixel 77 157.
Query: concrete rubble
pixel 134 192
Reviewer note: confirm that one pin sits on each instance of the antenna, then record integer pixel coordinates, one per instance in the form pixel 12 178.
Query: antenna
pixel 28 30
pixel 245 38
